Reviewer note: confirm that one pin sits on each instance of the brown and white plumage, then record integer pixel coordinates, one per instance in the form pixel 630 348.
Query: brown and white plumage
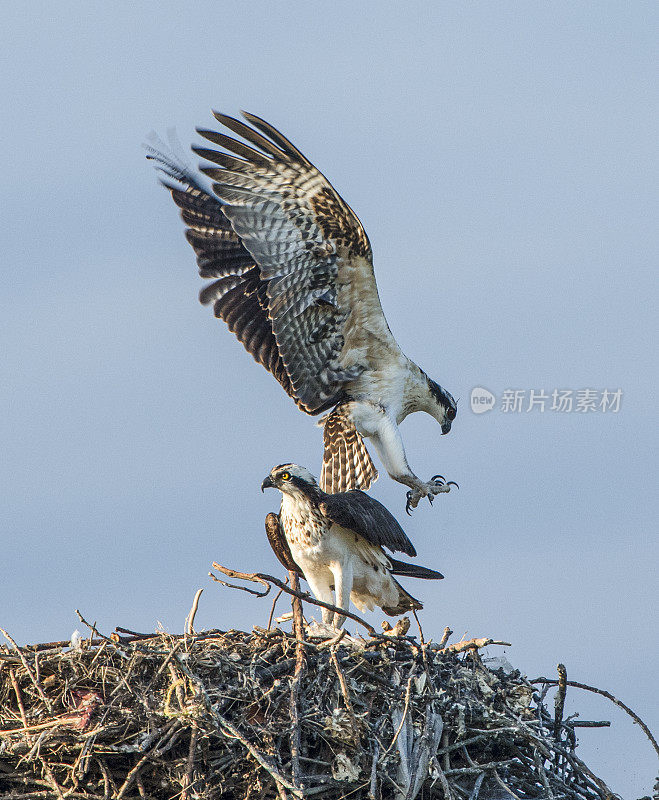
pixel 336 541
pixel 293 279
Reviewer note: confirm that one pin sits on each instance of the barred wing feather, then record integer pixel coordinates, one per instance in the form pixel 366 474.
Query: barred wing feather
pixel 300 233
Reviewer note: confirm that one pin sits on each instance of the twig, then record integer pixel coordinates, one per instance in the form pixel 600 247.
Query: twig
pixel 272 609
pixel 477 787
pixel 189 620
pixel 135 634
pixel 33 677
pixel 374 772
pixel 346 697
pixel 190 763
pixel 332 642
pixel 610 697
pixel 504 785
pixel 101 636
pixel 300 664
pixel 242 588
pixel 406 705
pixel 51 778
pixel 472 644
pixel 421 639
pixel 21 707
pixel 445 751
pixel 168 732
pixel 262 760
pixel 446 788
pixel 559 700
pixel 264 579
pixel 445 637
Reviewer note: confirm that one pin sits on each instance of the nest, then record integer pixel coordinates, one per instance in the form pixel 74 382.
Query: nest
pixel 260 715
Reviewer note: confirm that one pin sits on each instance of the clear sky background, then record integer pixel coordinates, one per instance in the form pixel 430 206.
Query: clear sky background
pixel 501 157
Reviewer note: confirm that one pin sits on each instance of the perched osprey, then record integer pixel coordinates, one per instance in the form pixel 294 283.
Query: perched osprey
pixel 335 542
pixel 293 278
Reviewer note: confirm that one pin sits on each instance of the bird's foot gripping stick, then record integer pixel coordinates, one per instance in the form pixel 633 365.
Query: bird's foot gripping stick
pixel 436 485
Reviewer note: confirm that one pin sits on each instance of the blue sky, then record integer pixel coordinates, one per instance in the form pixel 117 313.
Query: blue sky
pixel 502 159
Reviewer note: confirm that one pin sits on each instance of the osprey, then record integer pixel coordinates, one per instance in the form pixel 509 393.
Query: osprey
pixel 335 542
pixel 292 276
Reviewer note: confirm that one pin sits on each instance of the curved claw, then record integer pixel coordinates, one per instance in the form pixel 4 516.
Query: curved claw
pixel 431 498
pixel 438 479
pixel 408 505
pixel 453 483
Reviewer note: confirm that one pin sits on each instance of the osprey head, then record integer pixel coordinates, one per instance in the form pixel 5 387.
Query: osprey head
pixel 289 478
pixel 444 407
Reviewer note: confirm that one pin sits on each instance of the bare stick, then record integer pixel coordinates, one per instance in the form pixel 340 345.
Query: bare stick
pixel 421 639
pixel 559 700
pixel 446 788
pixel 346 697
pixel 272 609
pixel 374 772
pixel 408 693
pixel 33 677
pixel 262 760
pixel 155 751
pixel 504 785
pixel 235 586
pixel 473 644
pixel 610 697
pixel 300 664
pixel 445 637
pixel 21 707
pixel 190 762
pixel 263 578
pixel 51 778
pixel 477 787
pixel 189 620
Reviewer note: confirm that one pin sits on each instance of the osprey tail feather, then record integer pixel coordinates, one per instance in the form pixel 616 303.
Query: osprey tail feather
pixel 346 462
pixel 405 603
pixel 405 600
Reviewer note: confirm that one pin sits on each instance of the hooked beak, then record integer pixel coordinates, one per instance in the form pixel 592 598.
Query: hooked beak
pixel 446 427
pixel 267 484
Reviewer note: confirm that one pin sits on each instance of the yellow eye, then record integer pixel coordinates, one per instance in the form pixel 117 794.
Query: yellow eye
pixel 285 476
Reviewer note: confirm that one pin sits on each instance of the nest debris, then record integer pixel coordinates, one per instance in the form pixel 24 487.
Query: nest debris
pixel 259 715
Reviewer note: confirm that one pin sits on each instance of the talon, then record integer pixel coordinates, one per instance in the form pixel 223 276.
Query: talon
pixel 408 504
pixel 453 483
pixel 438 479
pixel 431 498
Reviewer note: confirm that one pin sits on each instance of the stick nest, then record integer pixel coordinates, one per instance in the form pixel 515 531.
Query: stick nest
pixel 237 715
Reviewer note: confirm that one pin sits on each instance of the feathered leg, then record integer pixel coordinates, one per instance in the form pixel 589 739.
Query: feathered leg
pixel 346 462
pixel 322 591
pixel 374 422
pixel 343 578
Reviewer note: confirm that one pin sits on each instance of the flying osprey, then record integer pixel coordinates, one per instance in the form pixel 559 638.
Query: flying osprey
pixel 293 279
pixel 335 542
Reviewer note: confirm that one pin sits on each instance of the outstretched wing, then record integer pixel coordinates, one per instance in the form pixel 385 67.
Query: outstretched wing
pixel 238 293
pixel 364 515
pixel 308 245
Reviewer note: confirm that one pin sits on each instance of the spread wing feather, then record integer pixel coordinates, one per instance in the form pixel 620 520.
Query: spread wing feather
pixel 298 231
pixel 358 512
pixel 283 228
pixel 239 294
